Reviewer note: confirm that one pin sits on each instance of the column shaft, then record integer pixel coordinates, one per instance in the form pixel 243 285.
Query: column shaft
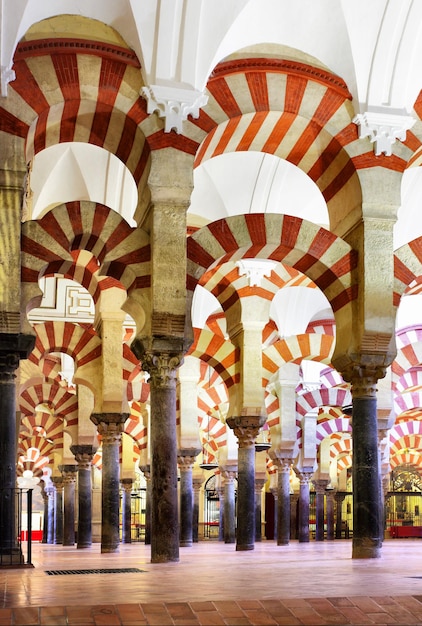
pixel 69 483
pixel 186 460
pixel 283 503
pixel 366 479
pixel 83 455
pixel 126 510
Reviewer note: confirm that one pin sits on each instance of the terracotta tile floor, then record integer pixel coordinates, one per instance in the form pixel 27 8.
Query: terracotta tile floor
pixel 314 583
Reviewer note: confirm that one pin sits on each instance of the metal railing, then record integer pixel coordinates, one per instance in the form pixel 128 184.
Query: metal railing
pixel 15 545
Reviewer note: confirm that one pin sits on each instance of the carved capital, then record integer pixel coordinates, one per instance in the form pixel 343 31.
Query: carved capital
pixel 68 473
pixel 83 455
pixel 13 348
pixel 127 485
pixel 320 485
pixel 146 470
pixel 363 379
pixel 246 428
pixel 304 477
pixel 110 425
pixel 186 458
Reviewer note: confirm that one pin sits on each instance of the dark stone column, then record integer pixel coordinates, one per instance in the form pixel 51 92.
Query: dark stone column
pixel 229 476
pixel 366 474
pixel 161 366
pixel 320 486
pixel 246 429
pixel 126 510
pixel 146 470
pixel 259 483
pixel 83 455
pixel 294 499
pixel 283 512
pixel 45 516
pixel 196 483
pixel 58 510
pixel 69 483
pixel 339 501
pixel 186 459
pixel 304 479
pixel 274 491
pixel 51 493
pixel 330 513
pixel 13 348
pixel 110 427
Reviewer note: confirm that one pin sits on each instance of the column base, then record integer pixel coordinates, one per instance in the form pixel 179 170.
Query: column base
pixel 83 545
pixel 366 549
pixel 164 559
pixel 242 548
pixel 283 543
pixel 185 544
pixel 109 549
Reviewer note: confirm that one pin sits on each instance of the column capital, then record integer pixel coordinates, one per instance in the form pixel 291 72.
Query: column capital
pixel 58 481
pixel 13 348
pixel 160 361
pixel 127 484
pixel 146 470
pixel 83 455
pixel 320 485
pixel 363 379
pixel 246 428
pixel 69 473
pixel 229 474
pixel 186 457
pixel 110 425
pixel 304 476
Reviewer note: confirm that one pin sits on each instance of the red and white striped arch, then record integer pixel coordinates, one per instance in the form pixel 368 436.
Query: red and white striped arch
pixel 314 251
pixel 217 352
pixel 322 397
pixel 62 403
pixel 86 91
pixel 293 350
pixel 404 433
pixel 407 402
pixel 407 268
pixel 332 427
pixel 50 246
pixel 82 344
pixel 408 358
pixel 409 381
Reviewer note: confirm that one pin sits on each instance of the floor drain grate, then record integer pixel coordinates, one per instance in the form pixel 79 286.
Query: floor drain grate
pixel 118 570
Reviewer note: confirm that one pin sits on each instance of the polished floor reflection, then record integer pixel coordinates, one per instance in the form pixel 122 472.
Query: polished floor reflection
pixel 312 583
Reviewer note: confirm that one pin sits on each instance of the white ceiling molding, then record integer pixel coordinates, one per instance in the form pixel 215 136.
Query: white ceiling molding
pixel 173 104
pixel 383 129
pixel 255 270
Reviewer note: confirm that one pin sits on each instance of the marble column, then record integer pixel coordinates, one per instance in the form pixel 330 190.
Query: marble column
pixel 294 499
pixel 220 491
pixel 196 484
pixel 339 506
pixel 51 493
pixel 246 429
pixel 146 470
pixel 58 510
pixel 283 512
pixel 186 460
pixel 259 483
pixel 320 486
pixel 110 428
pixel 304 498
pixel 126 510
pixel 229 476
pixel 367 539
pixel 44 495
pixel 274 491
pixel 162 368
pixel 330 513
pixel 83 455
pixel 69 473
pixel 13 347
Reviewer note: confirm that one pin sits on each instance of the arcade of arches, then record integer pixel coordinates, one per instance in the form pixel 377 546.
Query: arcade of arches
pixel 210 270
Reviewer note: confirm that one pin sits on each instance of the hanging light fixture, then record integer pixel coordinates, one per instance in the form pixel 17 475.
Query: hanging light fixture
pixel 261 442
